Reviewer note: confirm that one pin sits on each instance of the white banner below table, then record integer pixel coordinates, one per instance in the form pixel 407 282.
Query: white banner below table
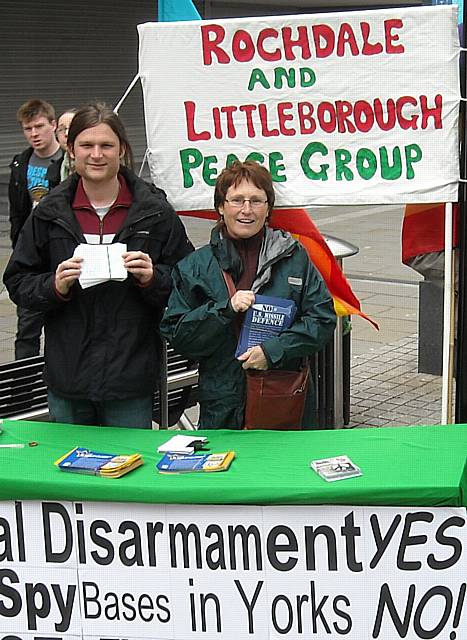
pixel 343 108
pixel 179 572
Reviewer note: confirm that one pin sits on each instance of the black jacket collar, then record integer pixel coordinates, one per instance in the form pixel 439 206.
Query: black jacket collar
pixel 147 200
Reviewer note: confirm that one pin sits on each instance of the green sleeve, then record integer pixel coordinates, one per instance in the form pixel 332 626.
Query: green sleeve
pixel 314 324
pixel 196 327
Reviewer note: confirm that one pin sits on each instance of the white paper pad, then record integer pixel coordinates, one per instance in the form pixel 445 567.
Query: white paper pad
pixel 101 262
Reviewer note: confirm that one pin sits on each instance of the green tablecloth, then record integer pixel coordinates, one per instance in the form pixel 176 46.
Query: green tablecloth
pixel 411 466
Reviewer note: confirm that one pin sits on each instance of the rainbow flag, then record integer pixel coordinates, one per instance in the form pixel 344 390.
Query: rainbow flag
pixel 299 224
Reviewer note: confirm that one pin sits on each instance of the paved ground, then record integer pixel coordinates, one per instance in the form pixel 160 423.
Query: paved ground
pixel 7 309
pixel 386 389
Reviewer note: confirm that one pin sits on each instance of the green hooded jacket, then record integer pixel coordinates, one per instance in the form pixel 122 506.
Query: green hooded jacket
pixel 200 323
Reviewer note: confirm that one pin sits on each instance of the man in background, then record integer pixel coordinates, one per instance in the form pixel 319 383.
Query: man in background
pixel 63 126
pixel 33 173
pixel 423 240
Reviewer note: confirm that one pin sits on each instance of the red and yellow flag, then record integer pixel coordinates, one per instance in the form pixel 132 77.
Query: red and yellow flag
pixel 423 229
pixel 299 224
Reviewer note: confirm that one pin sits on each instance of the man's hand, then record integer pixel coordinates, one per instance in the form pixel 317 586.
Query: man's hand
pixel 140 265
pixel 66 274
pixel 242 300
pixel 254 358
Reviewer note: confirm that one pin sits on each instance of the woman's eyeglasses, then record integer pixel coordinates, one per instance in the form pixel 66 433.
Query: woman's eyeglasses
pixel 255 203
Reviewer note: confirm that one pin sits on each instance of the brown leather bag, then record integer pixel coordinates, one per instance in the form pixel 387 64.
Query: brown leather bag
pixel 275 399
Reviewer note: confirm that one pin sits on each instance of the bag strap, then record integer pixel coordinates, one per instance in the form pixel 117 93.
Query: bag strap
pixel 229 282
pixel 231 288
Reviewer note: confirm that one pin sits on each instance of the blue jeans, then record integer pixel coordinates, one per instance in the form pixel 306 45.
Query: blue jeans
pixel 132 412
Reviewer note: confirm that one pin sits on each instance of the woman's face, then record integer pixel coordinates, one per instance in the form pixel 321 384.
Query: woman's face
pixel 245 210
pixel 63 126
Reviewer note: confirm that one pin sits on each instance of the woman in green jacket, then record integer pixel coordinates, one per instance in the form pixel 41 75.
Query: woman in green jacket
pixel 202 320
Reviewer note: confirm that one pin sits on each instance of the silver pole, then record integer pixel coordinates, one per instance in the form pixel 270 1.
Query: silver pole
pixel 163 389
pixel 338 375
pixel 339 370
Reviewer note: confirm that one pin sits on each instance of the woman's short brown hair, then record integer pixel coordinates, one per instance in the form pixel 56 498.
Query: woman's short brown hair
pixel 97 113
pixel 238 171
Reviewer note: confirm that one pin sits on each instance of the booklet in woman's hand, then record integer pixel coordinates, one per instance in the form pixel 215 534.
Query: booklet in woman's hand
pixel 266 318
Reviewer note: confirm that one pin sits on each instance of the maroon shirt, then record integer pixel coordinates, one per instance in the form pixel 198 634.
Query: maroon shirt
pixel 95 230
pixel 248 250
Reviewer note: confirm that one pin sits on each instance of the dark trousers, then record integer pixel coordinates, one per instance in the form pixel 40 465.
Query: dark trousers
pixel 132 412
pixel 28 334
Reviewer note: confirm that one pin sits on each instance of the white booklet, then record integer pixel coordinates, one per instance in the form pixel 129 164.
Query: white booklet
pixel 337 468
pixel 183 444
pixel 101 262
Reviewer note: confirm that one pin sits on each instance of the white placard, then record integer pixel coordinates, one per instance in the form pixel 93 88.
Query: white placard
pixel 183 572
pixel 343 108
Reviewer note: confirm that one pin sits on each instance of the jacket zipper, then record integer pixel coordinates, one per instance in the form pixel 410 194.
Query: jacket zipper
pixel 66 226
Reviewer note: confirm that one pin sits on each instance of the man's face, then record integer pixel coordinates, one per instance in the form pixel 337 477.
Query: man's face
pixel 40 134
pixel 97 152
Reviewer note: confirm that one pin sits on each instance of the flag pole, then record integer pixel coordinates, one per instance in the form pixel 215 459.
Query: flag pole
pixel 446 403
pixel 146 153
pixel 461 351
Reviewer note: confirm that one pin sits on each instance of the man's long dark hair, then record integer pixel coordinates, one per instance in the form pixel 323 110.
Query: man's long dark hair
pixel 91 115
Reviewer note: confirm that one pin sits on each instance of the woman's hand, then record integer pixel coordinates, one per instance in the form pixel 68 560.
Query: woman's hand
pixel 242 300
pixel 254 358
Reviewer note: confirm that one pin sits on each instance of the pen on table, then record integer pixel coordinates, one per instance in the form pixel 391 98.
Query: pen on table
pixel 19 445
pixel 16 445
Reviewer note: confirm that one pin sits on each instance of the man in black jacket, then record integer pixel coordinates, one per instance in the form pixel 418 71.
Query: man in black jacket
pixel 33 173
pixel 102 345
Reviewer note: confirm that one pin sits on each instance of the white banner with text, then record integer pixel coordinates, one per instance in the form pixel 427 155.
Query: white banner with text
pixel 179 572
pixel 358 107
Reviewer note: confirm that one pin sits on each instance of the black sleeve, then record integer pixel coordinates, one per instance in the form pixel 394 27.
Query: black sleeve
pixel 19 207
pixel 28 276
pixel 175 247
